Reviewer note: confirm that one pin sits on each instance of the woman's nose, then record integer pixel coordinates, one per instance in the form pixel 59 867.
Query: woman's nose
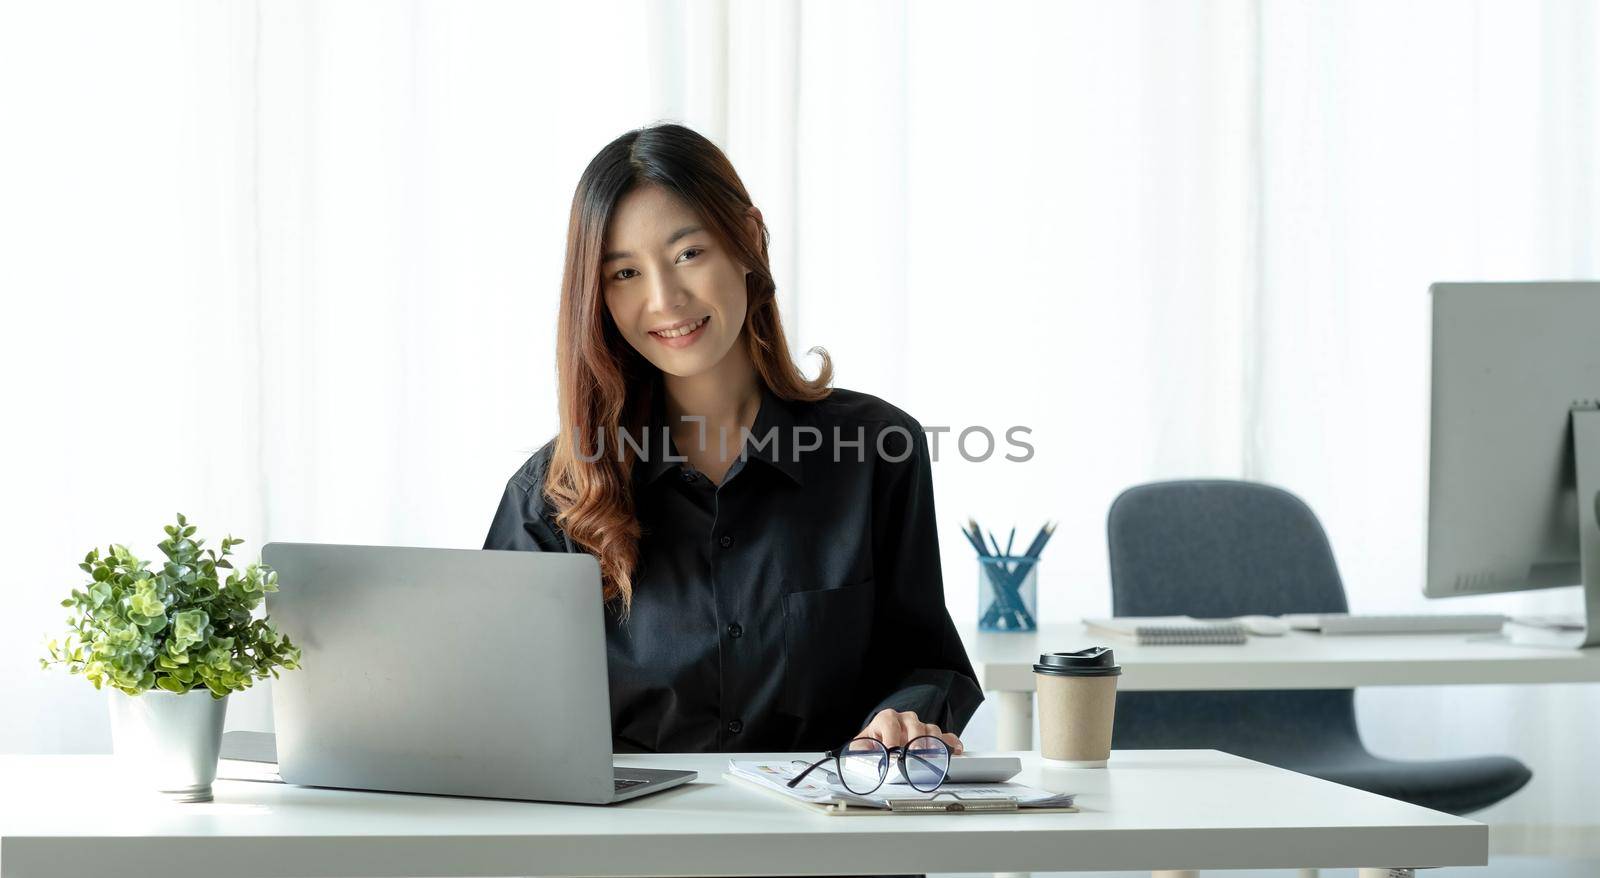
pixel 666 294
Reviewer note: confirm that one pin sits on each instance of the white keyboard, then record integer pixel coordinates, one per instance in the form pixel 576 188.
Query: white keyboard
pixel 1345 623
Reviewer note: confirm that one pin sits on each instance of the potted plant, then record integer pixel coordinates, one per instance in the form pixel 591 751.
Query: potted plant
pixel 170 645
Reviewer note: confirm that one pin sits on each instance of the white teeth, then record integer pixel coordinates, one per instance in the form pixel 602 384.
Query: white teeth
pixel 683 330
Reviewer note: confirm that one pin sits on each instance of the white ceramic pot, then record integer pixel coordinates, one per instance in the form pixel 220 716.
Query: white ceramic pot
pixel 168 742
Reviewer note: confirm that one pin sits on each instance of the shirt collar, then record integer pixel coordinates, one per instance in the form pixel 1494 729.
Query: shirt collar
pixel 772 439
pixel 774 431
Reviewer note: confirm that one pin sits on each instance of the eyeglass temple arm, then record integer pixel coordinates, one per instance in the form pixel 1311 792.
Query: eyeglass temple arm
pixel 810 768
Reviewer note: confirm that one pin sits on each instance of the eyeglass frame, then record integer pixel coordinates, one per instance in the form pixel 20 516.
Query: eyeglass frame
pixel 902 750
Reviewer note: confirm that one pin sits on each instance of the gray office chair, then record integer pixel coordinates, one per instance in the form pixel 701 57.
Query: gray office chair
pixel 1226 548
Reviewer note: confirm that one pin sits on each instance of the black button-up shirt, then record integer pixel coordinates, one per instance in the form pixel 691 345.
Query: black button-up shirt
pixel 784 608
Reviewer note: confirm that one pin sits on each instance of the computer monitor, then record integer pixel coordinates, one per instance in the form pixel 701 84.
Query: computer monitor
pixel 1514 469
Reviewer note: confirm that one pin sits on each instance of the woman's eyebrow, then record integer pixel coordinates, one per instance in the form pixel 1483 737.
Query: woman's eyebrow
pixel 673 239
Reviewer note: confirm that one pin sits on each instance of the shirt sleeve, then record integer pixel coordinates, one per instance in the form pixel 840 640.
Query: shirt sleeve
pixel 520 522
pixel 920 663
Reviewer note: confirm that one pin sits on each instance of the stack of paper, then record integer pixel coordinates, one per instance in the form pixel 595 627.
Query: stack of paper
pixel 822 789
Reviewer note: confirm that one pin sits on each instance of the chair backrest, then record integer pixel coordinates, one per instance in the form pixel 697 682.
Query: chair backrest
pixel 1226 548
pixel 1212 548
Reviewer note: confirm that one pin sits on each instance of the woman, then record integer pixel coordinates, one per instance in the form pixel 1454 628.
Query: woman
pixel 767 544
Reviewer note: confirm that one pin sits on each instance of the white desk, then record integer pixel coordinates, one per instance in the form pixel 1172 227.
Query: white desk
pixel 1153 810
pixel 1298 660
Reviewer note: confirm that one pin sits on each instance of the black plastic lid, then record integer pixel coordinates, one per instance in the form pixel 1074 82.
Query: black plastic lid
pixel 1096 661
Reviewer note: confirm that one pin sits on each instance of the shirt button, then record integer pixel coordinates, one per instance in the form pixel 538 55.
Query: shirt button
pixel 726 541
pixel 735 631
pixel 688 475
pixel 735 726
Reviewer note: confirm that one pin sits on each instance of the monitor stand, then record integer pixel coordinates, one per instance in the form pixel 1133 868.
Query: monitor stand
pixel 1586 454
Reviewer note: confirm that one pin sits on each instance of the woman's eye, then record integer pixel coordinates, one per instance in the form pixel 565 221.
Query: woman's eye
pixel 691 253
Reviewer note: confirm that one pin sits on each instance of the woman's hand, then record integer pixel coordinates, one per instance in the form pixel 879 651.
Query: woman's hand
pixel 896 728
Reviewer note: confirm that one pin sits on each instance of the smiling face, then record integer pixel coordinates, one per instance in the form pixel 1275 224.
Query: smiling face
pixel 673 291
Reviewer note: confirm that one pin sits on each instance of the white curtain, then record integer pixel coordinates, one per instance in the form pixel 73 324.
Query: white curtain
pixel 291 268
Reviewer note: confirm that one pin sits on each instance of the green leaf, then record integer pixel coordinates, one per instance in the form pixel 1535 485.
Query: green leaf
pixel 170 685
pixel 189 627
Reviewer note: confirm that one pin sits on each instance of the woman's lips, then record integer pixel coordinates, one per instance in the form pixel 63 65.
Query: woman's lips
pixel 685 339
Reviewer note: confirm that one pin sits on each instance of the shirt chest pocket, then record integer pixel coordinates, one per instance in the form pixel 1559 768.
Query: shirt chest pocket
pixel 826 634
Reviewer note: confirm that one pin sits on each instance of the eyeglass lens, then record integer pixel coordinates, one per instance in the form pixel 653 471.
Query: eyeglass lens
pixel 863 764
pixel 927 761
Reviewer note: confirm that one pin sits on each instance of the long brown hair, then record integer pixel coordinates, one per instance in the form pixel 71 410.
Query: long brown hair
pixel 606 384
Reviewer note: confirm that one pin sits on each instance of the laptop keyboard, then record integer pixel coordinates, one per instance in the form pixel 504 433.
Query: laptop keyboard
pixel 625 784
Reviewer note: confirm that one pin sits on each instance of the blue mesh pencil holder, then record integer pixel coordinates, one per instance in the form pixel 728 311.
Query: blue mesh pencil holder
pixel 1008 589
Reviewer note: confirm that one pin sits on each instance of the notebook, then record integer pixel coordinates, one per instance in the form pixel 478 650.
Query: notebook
pixel 1172 630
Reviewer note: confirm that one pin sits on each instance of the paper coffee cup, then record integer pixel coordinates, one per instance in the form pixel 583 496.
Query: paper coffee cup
pixel 1077 703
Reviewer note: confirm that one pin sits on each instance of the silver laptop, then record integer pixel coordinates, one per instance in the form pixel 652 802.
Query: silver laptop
pixel 450 671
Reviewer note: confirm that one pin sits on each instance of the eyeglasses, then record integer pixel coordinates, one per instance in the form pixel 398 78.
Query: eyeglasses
pixel 863 764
